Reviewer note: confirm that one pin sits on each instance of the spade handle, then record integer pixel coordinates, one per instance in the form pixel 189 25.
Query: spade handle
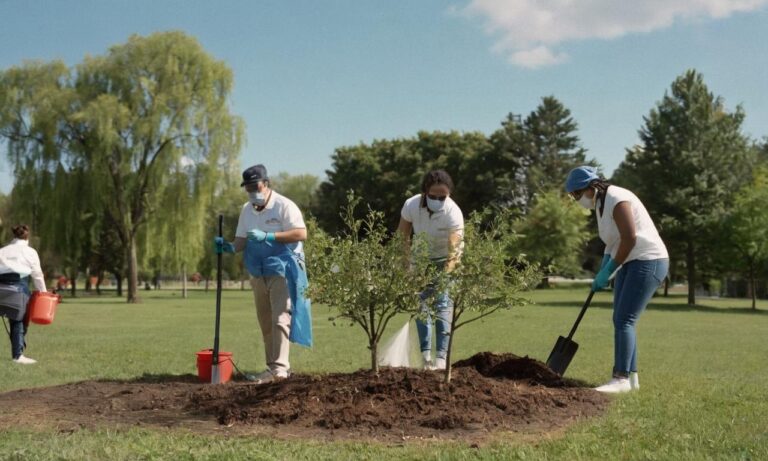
pixel 581 314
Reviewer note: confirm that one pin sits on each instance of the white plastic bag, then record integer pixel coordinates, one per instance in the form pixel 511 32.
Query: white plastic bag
pixel 399 349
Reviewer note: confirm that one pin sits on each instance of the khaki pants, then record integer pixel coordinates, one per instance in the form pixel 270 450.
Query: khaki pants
pixel 273 308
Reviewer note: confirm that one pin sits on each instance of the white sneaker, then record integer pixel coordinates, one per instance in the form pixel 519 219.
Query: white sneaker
pixel 24 360
pixel 615 386
pixel 426 357
pixel 280 374
pixel 634 381
pixel 267 376
pixel 439 364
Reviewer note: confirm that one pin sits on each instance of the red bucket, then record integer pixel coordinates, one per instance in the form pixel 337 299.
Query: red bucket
pixel 42 307
pixel 205 364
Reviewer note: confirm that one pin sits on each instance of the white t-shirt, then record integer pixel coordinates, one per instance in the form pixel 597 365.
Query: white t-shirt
pixel 648 244
pixel 438 226
pixel 280 214
pixel 18 257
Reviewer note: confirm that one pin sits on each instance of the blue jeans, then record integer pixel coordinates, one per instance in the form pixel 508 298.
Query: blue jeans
pixel 635 284
pixel 444 308
pixel 18 331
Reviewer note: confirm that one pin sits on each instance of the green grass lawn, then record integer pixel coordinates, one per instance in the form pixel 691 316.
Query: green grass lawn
pixel 702 374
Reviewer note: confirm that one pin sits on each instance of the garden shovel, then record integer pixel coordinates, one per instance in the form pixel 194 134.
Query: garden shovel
pixel 215 376
pixel 565 348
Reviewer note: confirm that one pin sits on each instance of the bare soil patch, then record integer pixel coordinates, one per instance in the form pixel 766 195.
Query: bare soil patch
pixel 488 394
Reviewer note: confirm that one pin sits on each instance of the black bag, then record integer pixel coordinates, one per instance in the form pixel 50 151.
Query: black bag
pixel 13 301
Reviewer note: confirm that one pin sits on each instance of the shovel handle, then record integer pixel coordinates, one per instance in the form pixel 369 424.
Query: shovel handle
pixel 581 314
pixel 215 358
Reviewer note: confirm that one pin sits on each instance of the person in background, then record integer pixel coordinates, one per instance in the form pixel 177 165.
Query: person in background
pixel 271 231
pixel 634 247
pixel 434 213
pixel 62 283
pixel 18 262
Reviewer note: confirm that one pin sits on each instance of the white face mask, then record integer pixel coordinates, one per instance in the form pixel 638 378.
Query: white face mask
pixel 587 202
pixel 257 198
pixel 435 205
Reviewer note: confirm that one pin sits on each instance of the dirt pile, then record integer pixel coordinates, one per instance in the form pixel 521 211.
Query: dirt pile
pixel 511 366
pixel 488 393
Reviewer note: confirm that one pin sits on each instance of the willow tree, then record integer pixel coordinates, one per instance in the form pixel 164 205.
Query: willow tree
pixel 228 202
pixel 132 118
pixel 32 97
pixel 70 232
pixel 5 225
pixel 59 204
pixel 175 239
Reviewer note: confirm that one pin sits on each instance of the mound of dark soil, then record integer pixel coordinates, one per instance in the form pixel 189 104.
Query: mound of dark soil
pixel 487 393
pixel 511 366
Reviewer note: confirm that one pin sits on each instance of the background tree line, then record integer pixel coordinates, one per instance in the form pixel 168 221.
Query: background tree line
pixel 702 179
pixel 122 163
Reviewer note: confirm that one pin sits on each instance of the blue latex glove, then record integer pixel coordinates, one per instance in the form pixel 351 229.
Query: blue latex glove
pixel 606 258
pixel 606 269
pixel 260 236
pixel 222 246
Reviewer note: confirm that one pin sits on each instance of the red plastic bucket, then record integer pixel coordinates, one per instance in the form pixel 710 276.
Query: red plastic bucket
pixel 205 363
pixel 42 307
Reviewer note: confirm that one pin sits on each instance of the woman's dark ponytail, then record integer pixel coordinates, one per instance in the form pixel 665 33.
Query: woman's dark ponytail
pixel 602 189
pixel 21 231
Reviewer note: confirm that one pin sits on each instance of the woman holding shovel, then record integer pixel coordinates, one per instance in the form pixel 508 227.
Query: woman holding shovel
pixel 435 214
pixel 634 247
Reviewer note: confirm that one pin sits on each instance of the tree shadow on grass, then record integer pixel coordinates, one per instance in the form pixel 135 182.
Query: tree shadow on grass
pixel 658 304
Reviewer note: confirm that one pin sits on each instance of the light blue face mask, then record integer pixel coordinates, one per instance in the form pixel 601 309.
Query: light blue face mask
pixel 257 198
pixel 435 205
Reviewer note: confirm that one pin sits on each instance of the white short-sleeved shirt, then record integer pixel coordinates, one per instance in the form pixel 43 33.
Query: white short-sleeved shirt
pixel 280 214
pixel 648 244
pixel 438 226
pixel 19 258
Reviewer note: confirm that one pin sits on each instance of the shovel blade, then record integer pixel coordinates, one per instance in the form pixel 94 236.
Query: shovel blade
pixel 562 354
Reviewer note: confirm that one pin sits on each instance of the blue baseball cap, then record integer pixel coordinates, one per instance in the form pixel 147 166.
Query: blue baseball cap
pixel 580 177
pixel 254 174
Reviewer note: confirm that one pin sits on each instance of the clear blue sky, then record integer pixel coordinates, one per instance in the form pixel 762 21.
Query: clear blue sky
pixel 314 75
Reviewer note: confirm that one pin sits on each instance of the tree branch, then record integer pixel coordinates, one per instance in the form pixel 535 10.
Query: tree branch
pixel 484 314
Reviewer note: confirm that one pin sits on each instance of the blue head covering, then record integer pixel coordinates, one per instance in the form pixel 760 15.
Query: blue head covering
pixel 580 177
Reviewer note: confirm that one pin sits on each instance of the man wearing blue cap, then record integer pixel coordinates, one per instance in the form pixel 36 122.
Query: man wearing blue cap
pixel 270 230
pixel 633 245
